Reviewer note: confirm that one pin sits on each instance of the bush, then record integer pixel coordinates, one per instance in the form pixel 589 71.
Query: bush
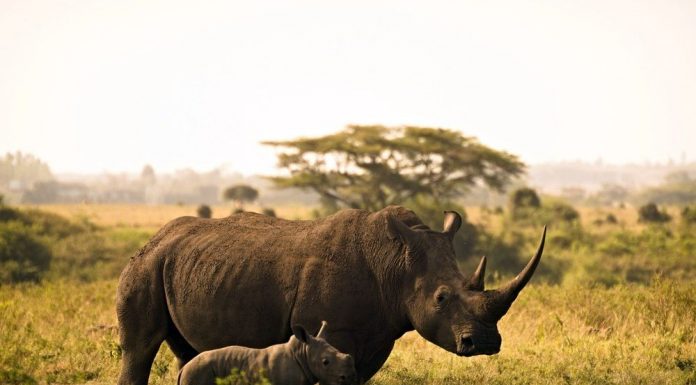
pixel 563 211
pixel 268 211
pixel 93 255
pixel 524 197
pixel 78 249
pixel 688 215
pixel 204 211
pixel 651 213
pixel 8 214
pixel 23 257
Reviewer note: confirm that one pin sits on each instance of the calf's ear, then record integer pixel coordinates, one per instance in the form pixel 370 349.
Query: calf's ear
pixel 300 333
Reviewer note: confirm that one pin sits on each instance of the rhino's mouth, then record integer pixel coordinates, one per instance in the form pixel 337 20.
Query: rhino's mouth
pixel 466 347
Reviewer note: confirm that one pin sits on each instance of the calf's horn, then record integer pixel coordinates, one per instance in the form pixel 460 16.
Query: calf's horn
pixel 322 330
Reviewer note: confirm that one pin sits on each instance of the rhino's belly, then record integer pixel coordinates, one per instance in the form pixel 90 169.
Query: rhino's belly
pixel 221 301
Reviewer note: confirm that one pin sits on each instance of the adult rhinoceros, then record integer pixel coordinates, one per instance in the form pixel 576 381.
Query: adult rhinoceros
pixel 201 284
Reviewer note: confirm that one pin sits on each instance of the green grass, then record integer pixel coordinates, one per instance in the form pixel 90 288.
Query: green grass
pixel 64 332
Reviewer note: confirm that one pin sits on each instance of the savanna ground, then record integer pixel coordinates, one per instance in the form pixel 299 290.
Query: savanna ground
pixel 623 311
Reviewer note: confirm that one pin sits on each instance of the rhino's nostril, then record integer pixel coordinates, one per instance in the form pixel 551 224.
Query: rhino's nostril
pixel 342 377
pixel 467 342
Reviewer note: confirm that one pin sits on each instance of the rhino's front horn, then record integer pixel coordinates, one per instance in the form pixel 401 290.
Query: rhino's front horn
pixel 503 298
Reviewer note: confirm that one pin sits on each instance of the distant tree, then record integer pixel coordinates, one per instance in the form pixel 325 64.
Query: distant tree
pixel 610 194
pixel 574 194
pixel 679 189
pixel 42 192
pixel 2 199
pixel 374 166
pixel 23 168
pixel 268 211
pixel 204 211
pixel 147 175
pixel 240 194
pixel 524 198
pixel 56 192
pixel 651 213
pixel 677 177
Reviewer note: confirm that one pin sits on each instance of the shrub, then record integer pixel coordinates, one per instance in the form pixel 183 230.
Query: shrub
pixel 651 213
pixel 527 208
pixel 688 215
pixel 523 198
pixel 268 211
pixel 8 214
pixel 204 211
pixel 23 257
pixel 563 211
pixel 79 249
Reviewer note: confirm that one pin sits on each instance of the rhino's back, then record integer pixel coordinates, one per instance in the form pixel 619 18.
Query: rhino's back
pixel 235 281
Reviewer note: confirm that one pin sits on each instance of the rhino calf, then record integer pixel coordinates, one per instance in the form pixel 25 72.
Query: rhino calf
pixel 303 360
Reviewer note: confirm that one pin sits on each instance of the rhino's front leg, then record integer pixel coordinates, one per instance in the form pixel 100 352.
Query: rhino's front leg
pixel 371 365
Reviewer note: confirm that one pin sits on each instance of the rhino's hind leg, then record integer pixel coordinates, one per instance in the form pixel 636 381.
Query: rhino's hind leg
pixel 183 351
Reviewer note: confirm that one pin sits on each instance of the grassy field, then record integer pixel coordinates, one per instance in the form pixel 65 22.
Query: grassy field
pixel 63 331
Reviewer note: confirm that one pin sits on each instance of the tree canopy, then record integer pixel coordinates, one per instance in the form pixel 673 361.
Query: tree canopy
pixel 240 194
pixel 374 166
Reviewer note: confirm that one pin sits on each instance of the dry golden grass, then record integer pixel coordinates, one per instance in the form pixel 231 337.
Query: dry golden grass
pixel 152 216
pixel 65 333
pixel 155 216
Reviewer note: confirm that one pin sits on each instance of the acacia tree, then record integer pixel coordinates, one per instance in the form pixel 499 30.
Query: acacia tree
pixel 240 194
pixel 374 166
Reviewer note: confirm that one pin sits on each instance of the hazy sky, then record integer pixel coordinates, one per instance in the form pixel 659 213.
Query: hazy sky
pixel 93 85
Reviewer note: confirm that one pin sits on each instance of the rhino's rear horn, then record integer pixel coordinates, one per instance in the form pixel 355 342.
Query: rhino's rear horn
pixel 476 280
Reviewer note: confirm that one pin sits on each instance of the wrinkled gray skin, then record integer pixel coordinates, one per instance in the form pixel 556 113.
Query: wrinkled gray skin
pixel 201 284
pixel 303 360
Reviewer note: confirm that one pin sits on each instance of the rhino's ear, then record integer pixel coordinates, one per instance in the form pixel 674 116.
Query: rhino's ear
pixel 300 333
pixel 396 229
pixel 453 221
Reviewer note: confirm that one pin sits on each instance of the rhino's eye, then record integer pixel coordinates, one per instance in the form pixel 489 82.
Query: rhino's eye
pixel 441 296
pixel 325 361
